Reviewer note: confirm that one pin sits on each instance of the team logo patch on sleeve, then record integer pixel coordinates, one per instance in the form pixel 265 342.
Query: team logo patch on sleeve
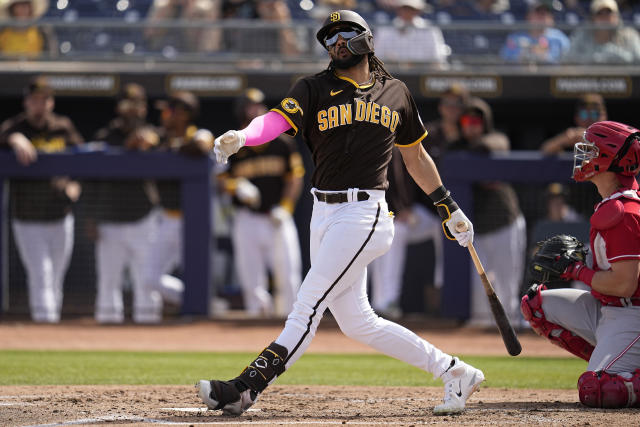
pixel 291 106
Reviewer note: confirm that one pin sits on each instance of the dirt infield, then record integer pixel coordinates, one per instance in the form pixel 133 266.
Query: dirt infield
pixel 279 405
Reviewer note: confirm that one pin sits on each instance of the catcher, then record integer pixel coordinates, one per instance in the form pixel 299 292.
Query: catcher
pixel 601 326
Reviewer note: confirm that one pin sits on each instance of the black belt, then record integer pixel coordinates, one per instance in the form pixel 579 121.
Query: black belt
pixel 339 197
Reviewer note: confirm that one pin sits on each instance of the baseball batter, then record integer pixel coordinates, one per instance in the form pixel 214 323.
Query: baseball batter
pixel 350 116
pixel 601 326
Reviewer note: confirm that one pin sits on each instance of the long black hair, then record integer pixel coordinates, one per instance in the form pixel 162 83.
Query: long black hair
pixel 376 67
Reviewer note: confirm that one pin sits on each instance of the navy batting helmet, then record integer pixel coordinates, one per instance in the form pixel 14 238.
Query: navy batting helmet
pixel 361 44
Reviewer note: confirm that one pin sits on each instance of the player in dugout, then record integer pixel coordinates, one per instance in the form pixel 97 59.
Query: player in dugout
pixel 350 115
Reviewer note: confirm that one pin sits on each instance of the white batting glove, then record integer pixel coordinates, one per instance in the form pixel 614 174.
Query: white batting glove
pixel 247 193
pixel 228 144
pixel 464 237
pixel 279 215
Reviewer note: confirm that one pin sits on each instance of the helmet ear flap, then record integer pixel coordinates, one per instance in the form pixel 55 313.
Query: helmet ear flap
pixel 361 44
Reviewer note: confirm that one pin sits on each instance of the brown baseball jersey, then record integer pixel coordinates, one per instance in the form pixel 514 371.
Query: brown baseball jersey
pixel 38 199
pixel 267 166
pixel 351 128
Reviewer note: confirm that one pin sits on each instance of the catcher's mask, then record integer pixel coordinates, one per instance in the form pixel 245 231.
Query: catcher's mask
pixel 607 146
pixel 352 27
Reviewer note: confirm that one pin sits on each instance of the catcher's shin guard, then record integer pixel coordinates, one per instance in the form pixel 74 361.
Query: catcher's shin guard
pixel 267 366
pixel 531 308
pixel 603 390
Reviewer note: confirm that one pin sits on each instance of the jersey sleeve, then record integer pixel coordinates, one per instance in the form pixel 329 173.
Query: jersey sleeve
pixel 619 245
pixel 294 106
pixel 412 130
pixel 295 165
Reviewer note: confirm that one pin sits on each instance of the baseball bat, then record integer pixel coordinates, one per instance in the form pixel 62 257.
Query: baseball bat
pixel 509 337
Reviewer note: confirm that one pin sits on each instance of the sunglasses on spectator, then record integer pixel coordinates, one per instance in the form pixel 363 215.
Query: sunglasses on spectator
pixel 589 114
pixel 346 34
pixel 471 121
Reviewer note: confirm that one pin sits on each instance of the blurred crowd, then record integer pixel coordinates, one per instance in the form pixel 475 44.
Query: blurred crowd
pixel 408 31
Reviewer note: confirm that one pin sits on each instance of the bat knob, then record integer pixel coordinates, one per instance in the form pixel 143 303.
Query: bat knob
pixel 462 226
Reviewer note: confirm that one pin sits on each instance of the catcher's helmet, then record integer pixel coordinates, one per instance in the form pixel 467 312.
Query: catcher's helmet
pixel 607 146
pixel 358 45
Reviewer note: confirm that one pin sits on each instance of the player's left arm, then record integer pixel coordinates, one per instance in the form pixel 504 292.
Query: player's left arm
pixel 421 167
pixel 620 281
pixel 424 172
pixel 623 256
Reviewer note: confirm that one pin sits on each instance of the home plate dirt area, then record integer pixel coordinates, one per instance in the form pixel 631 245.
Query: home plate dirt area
pixel 278 405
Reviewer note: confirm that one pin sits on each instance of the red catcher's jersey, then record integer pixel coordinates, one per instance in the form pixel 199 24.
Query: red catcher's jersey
pixel 351 128
pixel 618 243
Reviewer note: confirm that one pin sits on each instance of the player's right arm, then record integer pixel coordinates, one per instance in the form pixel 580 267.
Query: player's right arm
pixel 286 117
pixel 23 148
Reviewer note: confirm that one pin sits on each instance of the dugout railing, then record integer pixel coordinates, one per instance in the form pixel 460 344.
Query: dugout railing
pixel 196 190
pixel 459 172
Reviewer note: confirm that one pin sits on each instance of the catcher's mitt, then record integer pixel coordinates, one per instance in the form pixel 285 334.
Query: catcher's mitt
pixel 553 257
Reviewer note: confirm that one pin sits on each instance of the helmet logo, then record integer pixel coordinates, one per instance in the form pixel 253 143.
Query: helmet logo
pixel 335 16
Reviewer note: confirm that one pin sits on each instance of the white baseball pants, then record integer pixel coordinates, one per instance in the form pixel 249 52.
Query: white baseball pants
pixel 123 245
pixel 165 255
pixel 260 244
pixel 345 238
pixel 45 249
pixel 614 331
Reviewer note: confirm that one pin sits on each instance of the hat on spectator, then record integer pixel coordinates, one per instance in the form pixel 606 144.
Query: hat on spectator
pixel 250 96
pixel 184 99
pixel 414 4
pixel 556 189
pixel 39 7
pixel 598 5
pixel 551 5
pixel 39 84
pixel 133 92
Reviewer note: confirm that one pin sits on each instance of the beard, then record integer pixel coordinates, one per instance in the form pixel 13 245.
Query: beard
pixel 343 64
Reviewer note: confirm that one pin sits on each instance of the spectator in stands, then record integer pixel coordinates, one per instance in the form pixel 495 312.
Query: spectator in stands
pixel 121 218
pixel 41 209
pixel 499 225
pixel 188 40
pixel 258 40
pixel 179 134
pixel 265 182
pixel 541 42
pixel 613 43
pixel 410 36
pixel 490 9
pixel 26 40
pixel 590 108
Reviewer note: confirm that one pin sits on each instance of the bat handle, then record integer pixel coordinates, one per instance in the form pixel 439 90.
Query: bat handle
pixel 462 226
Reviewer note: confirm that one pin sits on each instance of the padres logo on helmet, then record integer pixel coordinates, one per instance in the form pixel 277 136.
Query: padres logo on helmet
pixel 335 16
pixel 291 106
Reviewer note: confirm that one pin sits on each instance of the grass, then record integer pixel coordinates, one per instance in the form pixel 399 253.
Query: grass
pixel 105 367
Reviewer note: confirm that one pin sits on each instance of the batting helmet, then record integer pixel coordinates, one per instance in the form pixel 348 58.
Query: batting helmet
pixel 358 45
pixel 607 146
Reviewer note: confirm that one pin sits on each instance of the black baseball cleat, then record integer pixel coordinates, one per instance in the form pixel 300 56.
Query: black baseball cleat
pixel 233 397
